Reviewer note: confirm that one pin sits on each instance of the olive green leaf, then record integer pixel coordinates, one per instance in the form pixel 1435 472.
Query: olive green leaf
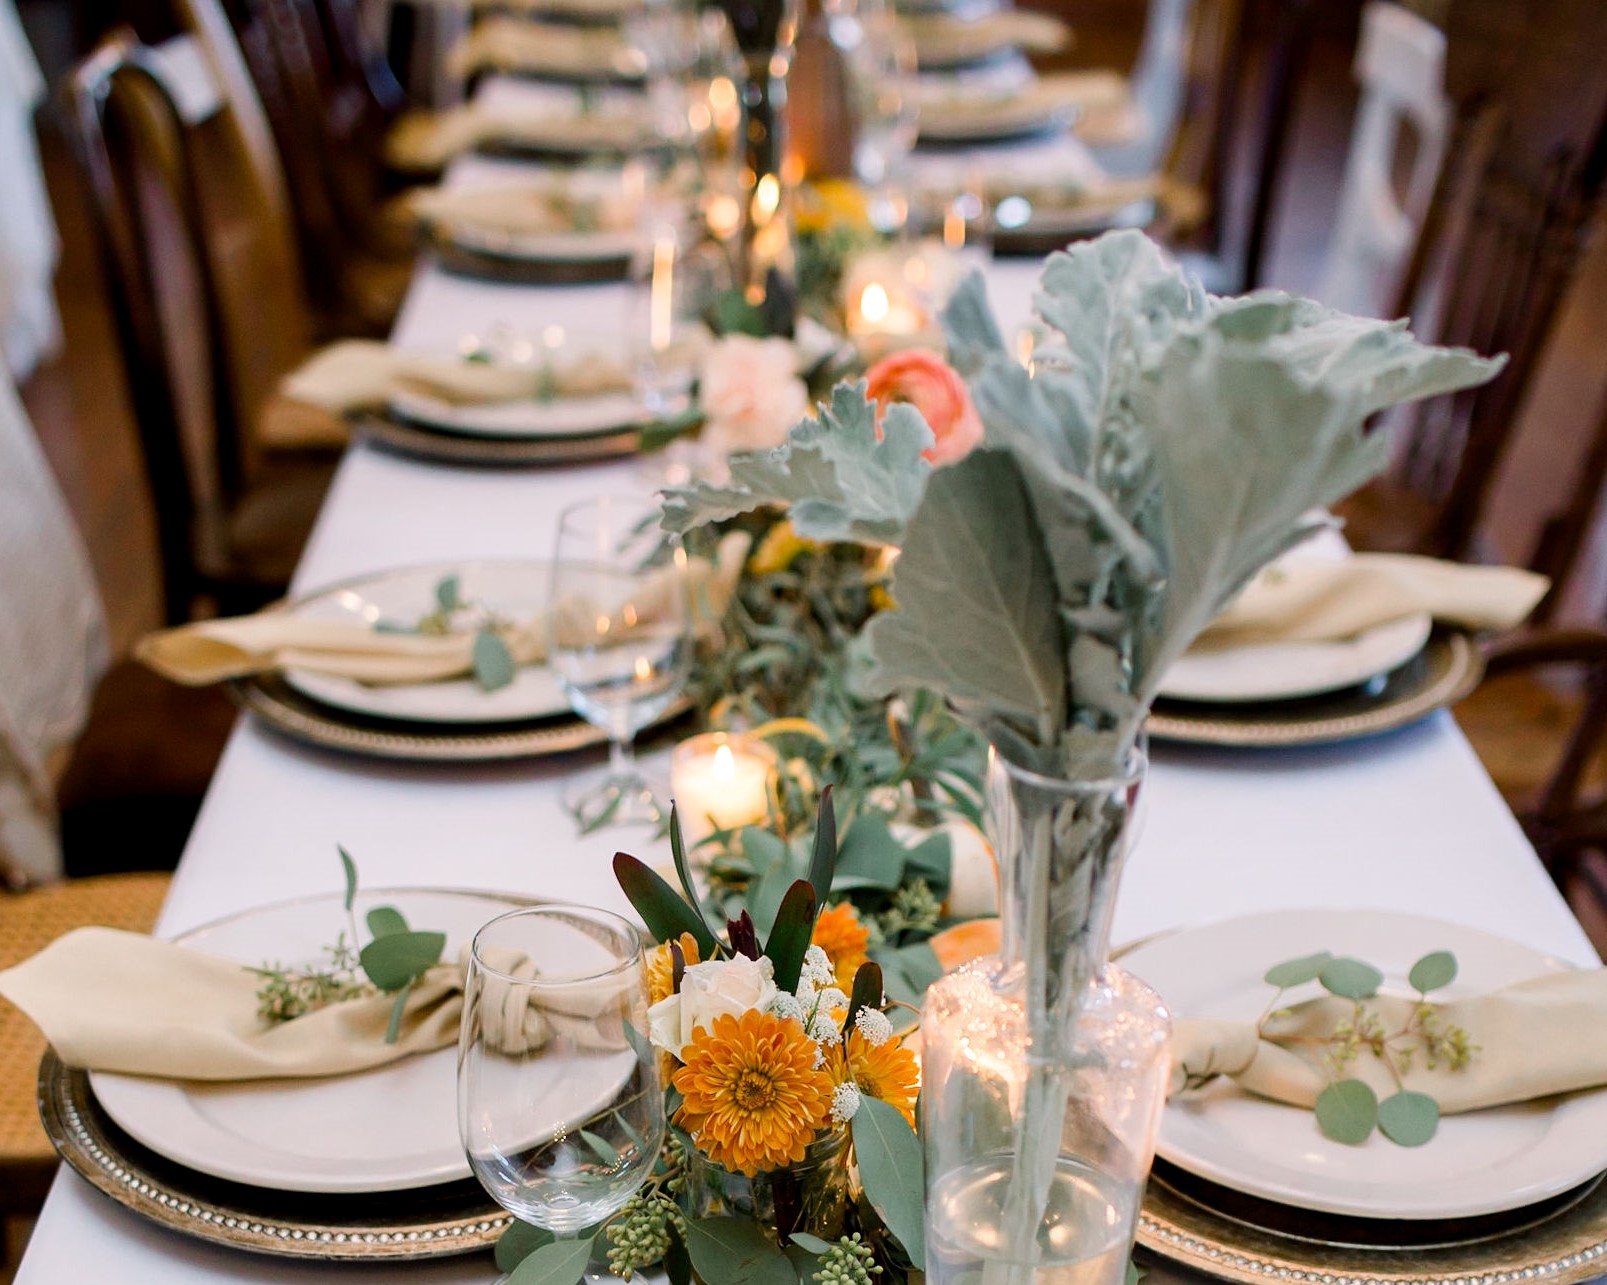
pixel 1347 1111
pixel 493 662
pixel 1350 978
pixel 446 594
pixel 665 912
pixel 1433 971
pixel 563 1262
pixel 385 920
pixel 789 939
pixel 867 993
pixel 393 1028
pixel 518 1243
pixel 1297 972
pixel 350 868
pixel 736 1251
pixel 1409 1118
pixel 823 863
pixel 812 1243
pixel 891 1169
pixel 392 961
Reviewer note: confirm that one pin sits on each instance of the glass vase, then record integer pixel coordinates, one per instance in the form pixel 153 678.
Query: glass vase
pixel 763 264
pixel 1044 1067
pixel 810 1196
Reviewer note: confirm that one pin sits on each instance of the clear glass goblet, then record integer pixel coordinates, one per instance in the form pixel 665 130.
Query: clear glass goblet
pixel 619 639
pixel 559 1103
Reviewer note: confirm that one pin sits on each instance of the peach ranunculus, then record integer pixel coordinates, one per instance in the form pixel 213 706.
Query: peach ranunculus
pixel 933 387
pixel 750 393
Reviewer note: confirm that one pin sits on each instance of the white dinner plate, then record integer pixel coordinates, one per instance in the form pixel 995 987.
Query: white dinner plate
pixel 517 590
pixel 1480 1162
pixel 388 1129
pixel 548 247
pixel 1286 671
pixel 562 417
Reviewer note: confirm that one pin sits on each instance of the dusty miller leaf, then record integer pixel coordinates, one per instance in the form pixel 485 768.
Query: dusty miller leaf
pixel 837 479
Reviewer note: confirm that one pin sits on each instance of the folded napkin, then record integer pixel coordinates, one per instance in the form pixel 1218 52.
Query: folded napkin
pixel 364 374
pixel 211 651
pixel 515 43
pixel 1317 601
pixel 940 40
pixel 986 109
pixel 119 1001
pixel 424 141
pixel 522 209
pixel 1539 1037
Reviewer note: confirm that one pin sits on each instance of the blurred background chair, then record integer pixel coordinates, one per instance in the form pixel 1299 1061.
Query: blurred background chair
pixel 29 326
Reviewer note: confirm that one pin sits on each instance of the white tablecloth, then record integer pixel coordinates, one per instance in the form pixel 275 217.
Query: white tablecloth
pixel 1402 821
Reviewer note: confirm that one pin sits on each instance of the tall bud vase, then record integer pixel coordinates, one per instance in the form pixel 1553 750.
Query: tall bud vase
pixel 1044 1068
pixel 765 32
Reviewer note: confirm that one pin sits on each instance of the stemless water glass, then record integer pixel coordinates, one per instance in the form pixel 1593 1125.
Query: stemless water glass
pixel 619 639
pixel 559 1103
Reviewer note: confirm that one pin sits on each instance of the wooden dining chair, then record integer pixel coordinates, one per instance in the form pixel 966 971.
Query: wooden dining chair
pixel 1501 243
pixel 230 518
pixel 30 921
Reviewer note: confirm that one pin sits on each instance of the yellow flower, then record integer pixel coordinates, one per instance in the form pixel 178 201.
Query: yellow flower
pixel 831 203
pixel 753 1099
pixel 661 968
pixel 891 1073
pixel 778 550
pixel 839 933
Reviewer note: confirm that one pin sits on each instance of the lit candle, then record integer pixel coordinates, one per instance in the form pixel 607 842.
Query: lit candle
pixel 720 782
pixel 662 302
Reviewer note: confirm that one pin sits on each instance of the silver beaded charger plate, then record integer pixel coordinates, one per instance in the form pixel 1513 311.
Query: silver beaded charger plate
pixel 1446 670
pixel 1563 1240
pixel 429 1222
pixel 279 706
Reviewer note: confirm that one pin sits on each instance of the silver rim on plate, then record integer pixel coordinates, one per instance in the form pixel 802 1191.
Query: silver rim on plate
pixel 461 448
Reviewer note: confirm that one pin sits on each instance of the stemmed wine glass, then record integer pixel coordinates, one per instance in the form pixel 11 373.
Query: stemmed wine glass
pixel 559 1103
pixel 619 639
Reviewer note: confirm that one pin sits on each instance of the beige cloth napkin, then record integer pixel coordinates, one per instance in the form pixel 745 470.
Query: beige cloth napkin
pixel 940 40
pixel 211 651
pixel 979 112
pixel 522 209
pixel 364 374
pixel 1539 1037
pixel 119 1001
pixel 516 43
pixel 424 141
pixel 1317 601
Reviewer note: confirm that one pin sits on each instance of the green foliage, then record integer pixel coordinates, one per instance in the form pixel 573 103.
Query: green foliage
pixel 562 1262
pixel 789 939
pixel 1347 1110
pixel 398 958
pixel 518 1243
pixel 666 914
pixel 349 867
pixel 642 1232
pixel 1408 1118
pixel 892 1171
pixel 848 1262
pixel 493 662
pixel 736 1251
pixel 384 920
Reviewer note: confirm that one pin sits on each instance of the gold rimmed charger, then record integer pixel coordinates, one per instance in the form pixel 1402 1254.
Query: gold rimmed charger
pixel 1445 671
pixel 430 1222
pixel 1563 1240
pixel 424 442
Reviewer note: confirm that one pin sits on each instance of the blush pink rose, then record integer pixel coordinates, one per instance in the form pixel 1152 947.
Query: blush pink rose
pixel 933 387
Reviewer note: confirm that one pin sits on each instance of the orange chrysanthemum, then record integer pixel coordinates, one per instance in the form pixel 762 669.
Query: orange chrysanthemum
pixel 661 968
pixel 890 1072
pixel 753 1098
pixel 839 933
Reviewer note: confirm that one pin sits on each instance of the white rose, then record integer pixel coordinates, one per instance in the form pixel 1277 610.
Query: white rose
pixel 708 991
pixel 750 393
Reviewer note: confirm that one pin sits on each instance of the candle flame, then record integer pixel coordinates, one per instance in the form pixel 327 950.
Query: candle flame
pixel 874 304
pixel 766 198
pixel 725 763
pixel 644 669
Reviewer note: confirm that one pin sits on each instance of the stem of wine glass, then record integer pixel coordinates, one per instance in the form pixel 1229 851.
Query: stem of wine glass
pixel 622 755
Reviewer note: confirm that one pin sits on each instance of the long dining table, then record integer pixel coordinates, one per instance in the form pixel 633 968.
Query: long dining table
pixel 1403 821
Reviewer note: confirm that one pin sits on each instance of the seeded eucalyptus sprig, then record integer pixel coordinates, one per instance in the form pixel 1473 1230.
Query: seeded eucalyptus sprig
pixel 492 662
pixel 1348 1110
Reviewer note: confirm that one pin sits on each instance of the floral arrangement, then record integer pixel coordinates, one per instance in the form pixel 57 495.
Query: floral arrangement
pixel 791 1097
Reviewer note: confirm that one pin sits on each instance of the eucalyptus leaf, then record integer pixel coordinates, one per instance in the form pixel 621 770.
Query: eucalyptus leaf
pixel 349 867
pixel 385 920
pixel 841 475
pixel 391 962
pixel 446 593
pixel 1433 971
pixel 812 1243
pixel 1346 1111
pixel 892 1171
pixel 1135 1273
pixel 736 1251
pixel 393 1028
pixel 1350 978
pixel 1297 972
pixel 870 857
pixel 601 1147
pixel 493 662
pixel 518 1243
pixel 677 1263
pixel 563 1262
pixel 1409 1118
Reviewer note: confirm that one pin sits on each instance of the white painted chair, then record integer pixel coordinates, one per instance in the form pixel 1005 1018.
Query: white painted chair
pixel 1400 64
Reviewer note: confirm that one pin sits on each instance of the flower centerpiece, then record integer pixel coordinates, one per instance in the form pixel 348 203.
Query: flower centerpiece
pixel 791 1098
pixel 1162 446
